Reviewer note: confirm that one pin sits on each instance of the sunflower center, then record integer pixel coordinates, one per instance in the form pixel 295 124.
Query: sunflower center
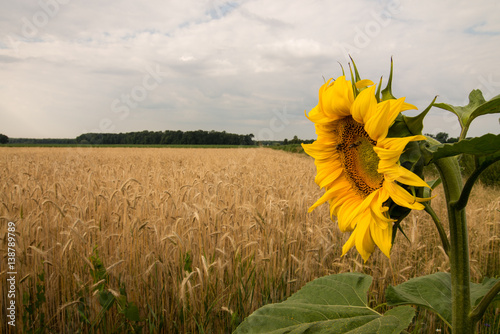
pixel 358 158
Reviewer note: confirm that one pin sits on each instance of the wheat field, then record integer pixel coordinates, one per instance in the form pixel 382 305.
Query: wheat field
pixel 193 240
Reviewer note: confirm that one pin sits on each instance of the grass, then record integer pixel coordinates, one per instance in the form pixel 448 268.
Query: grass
pixel 123 145
pixel 192 241
pixel 293 148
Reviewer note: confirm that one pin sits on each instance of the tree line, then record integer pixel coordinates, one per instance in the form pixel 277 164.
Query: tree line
pixel 168 137
pixel 442 137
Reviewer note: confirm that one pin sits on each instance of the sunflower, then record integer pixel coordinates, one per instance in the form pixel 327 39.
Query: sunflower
pixel 358 165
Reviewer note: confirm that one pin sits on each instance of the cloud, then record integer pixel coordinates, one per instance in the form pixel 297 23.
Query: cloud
pixel 248 66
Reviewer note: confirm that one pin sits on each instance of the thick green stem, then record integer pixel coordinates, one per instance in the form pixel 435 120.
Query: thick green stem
pixel 462 323
pixel 463 133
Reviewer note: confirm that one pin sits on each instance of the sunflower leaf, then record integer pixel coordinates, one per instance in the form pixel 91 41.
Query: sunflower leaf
pixel 331 304
pixel 486 147
pixel 433 292
pixel 477 106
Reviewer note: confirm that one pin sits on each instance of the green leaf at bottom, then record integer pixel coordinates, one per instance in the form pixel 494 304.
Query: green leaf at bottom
pixel 433 292
pixel 330 304
pixel 131 312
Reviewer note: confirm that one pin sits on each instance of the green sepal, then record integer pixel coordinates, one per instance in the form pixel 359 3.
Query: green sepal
pixel 399 129
pixel 358 77
pixel 399 213
pixel 477 106
pixel 331 304
pixel 387 91
pixel 379 87
pixel 354 77
pixel 342 67
pixel 486 148
pixel 411 158
pixel 433 184
pixel 433 292
pixel 416 123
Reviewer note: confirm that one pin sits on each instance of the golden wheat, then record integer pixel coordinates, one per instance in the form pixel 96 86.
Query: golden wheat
pixel 199 238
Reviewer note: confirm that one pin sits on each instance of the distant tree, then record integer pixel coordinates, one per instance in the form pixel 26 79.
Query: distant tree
pixel 442 137
pixel 249 139
pixel 3 139
pixel 295 140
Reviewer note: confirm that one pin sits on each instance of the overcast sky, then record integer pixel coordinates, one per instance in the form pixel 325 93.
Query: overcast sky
pixel 246 66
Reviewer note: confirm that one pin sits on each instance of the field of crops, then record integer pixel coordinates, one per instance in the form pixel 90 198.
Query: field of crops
pixel 193 240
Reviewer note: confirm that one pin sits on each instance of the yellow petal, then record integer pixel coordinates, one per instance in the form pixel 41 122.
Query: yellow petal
pixel 387 111
pixel 398 144
pixel 326 176
pixel 336 191
pixel 389 150
pixel 395 110
pixel 364 106
pixel 349 244
pixel 317 116
pixel 364 241
pixel 407 106
pixel 337 99
pixel 398 173
pixel 327 129
pixel 364 83
pixel 347 213
pixel 344 197
pixel 319 151
pixel 378 211
pixel 376 126
pixel 380 218
pixel 349 218
pixel 408 177
pixel 383 238
pixel 401 197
